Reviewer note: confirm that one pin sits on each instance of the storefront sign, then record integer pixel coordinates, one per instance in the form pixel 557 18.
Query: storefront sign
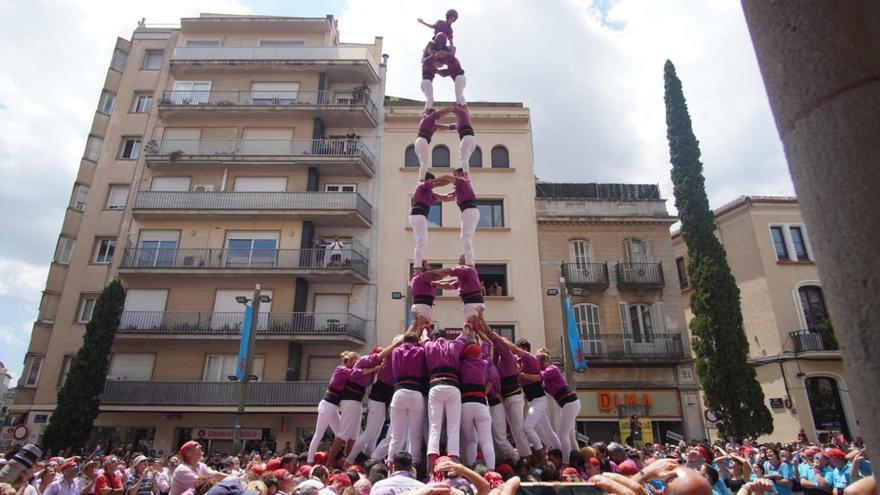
pixel 657 403
pixel 226 433
pixel 673 436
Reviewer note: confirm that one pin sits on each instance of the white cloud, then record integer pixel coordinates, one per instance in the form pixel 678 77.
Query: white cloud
pixel 22 281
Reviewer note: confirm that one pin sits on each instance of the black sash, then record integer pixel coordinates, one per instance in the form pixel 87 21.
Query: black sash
pixel 429 300
pixel 564 396
pixel 510 386
pixel 420 209
pixel 464 205
pixel 472 298
pixel 408 383
pixel 381 392
pixel 333 396
pixel 473 392
pixel 533 390
pixel 353 391
pixel 443 375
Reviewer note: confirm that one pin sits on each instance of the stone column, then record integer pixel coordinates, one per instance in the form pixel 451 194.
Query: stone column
pixel 820 61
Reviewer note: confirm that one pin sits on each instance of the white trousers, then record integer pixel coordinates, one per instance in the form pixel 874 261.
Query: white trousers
pixel 407 416
pixel 419 225
pixel 460 83
pixel 537 422
pixel 426 311
pixel 381 451
pixel 366 441
pixel 444 401
pixel 465 149
pixel 472 310
pixel 422 153
pixel 328 417
pixel 476 428
pixel 350 412
pixel 470 218
pixel 567 424
pixel 428 90
pixel 513 409
pixel 503 448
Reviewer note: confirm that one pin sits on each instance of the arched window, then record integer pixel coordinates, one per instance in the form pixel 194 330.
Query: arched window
pixel 409 157
pixel 476 158
pixel 813 305
pixel 586 317
pixel 500 158
pixel 826 405
pixel 440 156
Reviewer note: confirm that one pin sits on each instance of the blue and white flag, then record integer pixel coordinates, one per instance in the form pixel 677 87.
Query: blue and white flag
pixel 574 340
pixel 241 365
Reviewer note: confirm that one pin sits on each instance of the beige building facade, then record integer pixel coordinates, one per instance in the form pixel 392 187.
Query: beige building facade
pixel 608 246
pixel 791 344
pixel 228 152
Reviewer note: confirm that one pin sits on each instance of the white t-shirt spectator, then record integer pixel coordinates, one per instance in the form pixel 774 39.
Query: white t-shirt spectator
pixel 185 477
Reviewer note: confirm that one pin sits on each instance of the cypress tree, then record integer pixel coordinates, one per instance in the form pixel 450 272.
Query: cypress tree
pixel 729 382
pixel 77 405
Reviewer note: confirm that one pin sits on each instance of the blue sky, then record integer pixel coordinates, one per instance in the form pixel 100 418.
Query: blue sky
pixel 589 70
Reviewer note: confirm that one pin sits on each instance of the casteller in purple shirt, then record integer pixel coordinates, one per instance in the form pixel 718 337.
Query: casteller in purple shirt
pixel 422 290
pixel 423 194
pixel 468 280
pixel 443 356
pixel 465 196
pixel 428 125
pixel 462 117
pixel 408 364
pixel 530 364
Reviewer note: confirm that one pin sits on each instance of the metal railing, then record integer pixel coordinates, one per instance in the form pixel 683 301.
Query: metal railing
pixel 329 98
pixel 312 201
pixel 266 53
pixel 811 340
pixel 257 259
pixel 657 346
pixel 121 392
pixel 229 323
pixel 585 274
pixel 222 149
pixel 640 275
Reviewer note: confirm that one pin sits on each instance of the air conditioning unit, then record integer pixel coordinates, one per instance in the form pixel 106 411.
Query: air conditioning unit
pixel 204 188
pixel 193 261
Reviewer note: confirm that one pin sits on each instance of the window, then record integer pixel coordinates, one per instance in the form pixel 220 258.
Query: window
pixel 491 213
pixel 493 278
pixel 282 43
pixel 64 250
pixel 131 367
pixel 275 93
pixel 93 148
pixel 476 159
pixel 440 156
pixel 203 43
pixel 435 215
pixel 251 249
pixel 142 103
pixel 119 59
pixel 260 184
pixel 500 157
pixel 504 331
pixel 219 367
pixel 118 196
pixel 340 187
pixel 130 149
pixel 410 159
pixel 681 266
pixel 190 92
pixel 586 317
pixel 636 251
pixel 79 197
pixel 153 60
pixel 170 184
pixel 779 243
pixel 32 365
pixel 86 306
pixel 579 252
pixel 813 305
pixel 104 250
pixel 157 248
pixel 105 105
pixel 798 243
pixel 65 369
pixel 641 323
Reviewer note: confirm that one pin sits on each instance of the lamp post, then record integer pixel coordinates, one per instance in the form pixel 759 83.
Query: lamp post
pixel 244 380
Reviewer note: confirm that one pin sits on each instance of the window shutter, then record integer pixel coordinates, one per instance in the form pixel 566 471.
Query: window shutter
pixel 647 245
pixel 624 318
pixel 659 317
pixel 627 251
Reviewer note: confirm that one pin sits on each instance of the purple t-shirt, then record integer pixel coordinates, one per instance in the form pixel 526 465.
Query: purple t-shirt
pixel 385 373
pixel 442 353
pixel 473 371
pixel 421 285
pixel 504 359
pixel 428 124
pixel 444 27
pixel 453 66
pixel 553 380
pixel 463 191
pixel 462 117
pixel 408 360
pixel 341 375
pixel 468 280
pixel 530 365
pixel 424 193
pixel 368 361
pixel 493 377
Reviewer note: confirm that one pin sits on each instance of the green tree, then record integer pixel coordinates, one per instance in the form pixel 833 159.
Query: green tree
pixel 77 405
pixel 720 345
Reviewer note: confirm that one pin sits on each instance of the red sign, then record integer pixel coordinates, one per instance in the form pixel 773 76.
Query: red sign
pixel 608 401
pixel 17 433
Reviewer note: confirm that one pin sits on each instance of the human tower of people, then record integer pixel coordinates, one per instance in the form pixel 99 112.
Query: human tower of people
pixel 477 383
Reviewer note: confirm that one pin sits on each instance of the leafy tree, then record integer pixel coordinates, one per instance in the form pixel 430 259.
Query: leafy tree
pixel 720 345
pixel 78 400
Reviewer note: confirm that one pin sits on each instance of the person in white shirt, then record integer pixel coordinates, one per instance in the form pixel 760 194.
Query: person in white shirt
pixel 67 484
pixel 400 480
pixel 191 468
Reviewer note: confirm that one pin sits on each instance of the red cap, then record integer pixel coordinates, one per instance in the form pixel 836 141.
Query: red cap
pixel 595 462
pixel 504 469
pixel 258 469
pixel 811 451
pixel 495 480
pixel 356 469
pixel 281 474
pixel 67 465
pixel 627 468
pixel 441 460
pixel 185 447
pixel 377 350
pixel 320 458
pixel 473 350
pixel 340 478
pixel 273 464
pixel 835 454
pixel 304 471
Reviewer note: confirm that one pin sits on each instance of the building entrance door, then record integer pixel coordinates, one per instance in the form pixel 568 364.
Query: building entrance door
pixel 826 405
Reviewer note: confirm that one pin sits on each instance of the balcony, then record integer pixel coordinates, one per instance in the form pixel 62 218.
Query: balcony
pixel 640 276
pixel 331 209
pixel 658 346
pixel 812 341
pixel 346 64
pixel 318 265
pixel 586 275
pixel 223 325
pixel 334 156
pixel 337 107
pixel 132 393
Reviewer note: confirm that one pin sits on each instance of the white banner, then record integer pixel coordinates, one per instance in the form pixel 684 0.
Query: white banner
pixel 226 433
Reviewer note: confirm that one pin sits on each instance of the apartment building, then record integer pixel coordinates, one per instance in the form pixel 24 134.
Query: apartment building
pixel 502 173
pixel 225 152
pixel 608 247
pixel 787 324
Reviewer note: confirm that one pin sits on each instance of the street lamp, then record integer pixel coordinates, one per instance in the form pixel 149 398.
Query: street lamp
pixel 247 348
pixel 577 291
pixel 552 291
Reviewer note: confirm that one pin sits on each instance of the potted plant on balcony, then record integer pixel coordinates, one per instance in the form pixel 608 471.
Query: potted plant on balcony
pixel 360 93
pixel 826 330
pixel 174 155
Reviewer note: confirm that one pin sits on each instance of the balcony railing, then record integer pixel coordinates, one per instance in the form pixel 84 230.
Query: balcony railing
pixel 811 341
pixel 303 201
pixel 328 98
pixel 120 392
pixel 255 259
pixel 224 149
pixel 617 346
pixel 211 323
pixel 589 275
pixel 637 275
pixel 335 54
